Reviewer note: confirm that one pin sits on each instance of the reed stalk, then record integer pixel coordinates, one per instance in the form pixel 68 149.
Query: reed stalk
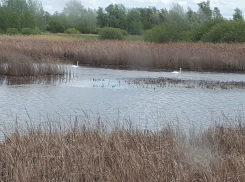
pixel 83 153
pixel 127 54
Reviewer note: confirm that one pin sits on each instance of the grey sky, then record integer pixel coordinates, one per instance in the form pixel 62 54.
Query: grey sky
pixel 226 6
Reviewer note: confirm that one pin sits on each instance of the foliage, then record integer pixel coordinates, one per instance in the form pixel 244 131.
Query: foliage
pixel 116 15
pixel 30 31
pixel 164 33
pixel 96 30
pixel 134 22
pixel 1 31
pixel 72 31
pixel 111 33
pixel 55 27
pixel 237 16
pixel 229 32
pixel 12 31
pixel 205 28
pixel 204 7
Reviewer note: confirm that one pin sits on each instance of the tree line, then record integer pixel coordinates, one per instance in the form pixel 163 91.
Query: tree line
pixel 157 25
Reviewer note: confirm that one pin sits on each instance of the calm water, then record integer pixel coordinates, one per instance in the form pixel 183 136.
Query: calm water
pixel 119 95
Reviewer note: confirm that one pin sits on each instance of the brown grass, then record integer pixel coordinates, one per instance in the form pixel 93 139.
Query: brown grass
pixel 128 54
pixel 91 154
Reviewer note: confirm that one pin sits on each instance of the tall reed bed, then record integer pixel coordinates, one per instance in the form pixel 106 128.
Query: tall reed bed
pixel 129 54
pixel 15 62
pixel 83 153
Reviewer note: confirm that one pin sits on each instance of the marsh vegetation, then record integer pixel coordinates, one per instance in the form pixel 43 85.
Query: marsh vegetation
pixel 86 152
pixel 44 55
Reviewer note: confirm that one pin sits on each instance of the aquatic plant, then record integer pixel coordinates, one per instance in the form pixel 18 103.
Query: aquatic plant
pixel 86 153
pixel 126 54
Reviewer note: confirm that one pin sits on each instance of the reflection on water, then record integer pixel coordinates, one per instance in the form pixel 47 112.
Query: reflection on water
pixel 147 99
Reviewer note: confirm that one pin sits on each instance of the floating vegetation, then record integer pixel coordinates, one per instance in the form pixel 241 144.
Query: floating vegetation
pixel 170 82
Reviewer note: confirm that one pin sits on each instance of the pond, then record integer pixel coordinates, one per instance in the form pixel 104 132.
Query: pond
pixel 146 99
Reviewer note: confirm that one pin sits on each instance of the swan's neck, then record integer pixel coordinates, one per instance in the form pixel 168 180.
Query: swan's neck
pixel 77 63
pixel 180 70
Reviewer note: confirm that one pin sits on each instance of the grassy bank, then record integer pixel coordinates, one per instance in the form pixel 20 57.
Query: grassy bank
pixel 91 154
pixel 127 54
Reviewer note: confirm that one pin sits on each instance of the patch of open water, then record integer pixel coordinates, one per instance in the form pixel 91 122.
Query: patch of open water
pixel 147 99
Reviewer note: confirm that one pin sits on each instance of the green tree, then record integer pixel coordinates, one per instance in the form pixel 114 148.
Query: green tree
pixel 151 17
pixel 216 13
pixel 229 32
pixel 101 18
pixel 19 6
pixel 204 8
pixel 237 16
pixel 35 8
pixel 134 22
pixel 27 20
pixel 116 15
pixel 205 28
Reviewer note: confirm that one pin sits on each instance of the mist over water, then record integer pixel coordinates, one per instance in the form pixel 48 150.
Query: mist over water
pixel 145 99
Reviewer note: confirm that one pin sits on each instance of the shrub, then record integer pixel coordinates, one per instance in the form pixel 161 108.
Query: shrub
pixel 72 31
pixel 111 33
pixel 1 31
pixel 55 27
pixel 29 31
pixel 227 32
pixel 124 32
pixel 96 30
pixel 205 28
pixel 165 33
pixel 12 31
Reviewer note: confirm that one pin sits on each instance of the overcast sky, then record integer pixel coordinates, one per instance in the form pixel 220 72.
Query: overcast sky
pixel 226 6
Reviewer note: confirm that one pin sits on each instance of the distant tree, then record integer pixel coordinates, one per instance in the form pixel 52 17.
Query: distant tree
pixel 35 8
pixel 151 17
pixel 55 27
pixel 101 18
pixel 116 15
pixel 216 13
pixel 204 8
pixel 237 16
pixel 73 11
pixel 27 20
pixel 134 22
pixel 19 6
pixel 178 17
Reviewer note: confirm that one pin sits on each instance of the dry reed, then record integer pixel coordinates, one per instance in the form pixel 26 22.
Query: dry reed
pixel 91 154
pixel 128 54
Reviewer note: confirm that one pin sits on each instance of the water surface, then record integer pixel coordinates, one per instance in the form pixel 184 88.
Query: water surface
pixel 147 99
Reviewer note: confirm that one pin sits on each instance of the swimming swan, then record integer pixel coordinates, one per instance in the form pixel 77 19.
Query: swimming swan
pixel 75 66
pixel 177 71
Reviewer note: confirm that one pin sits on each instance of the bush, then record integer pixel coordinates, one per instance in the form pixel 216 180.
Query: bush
pixel 96 30
pixel 72 31
pixel 205 28
pixel 29 31
pixel 1 31
pixel 12 31
pixel 227 32
pixel 165 33
pixel 55 27
pixel 111 33
pixel 124 32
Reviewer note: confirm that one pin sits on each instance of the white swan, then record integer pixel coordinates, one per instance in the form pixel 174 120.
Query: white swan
pixel 177 71
pixel 75 66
